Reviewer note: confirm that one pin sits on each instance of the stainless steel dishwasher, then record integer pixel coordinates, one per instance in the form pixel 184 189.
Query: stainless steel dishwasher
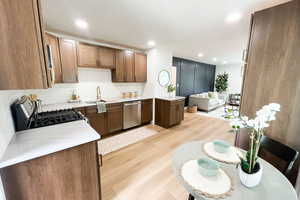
pixel 132 114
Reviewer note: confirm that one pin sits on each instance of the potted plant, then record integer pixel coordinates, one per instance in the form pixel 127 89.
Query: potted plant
pixel 170 89
pixel 250 171
pixel 222 84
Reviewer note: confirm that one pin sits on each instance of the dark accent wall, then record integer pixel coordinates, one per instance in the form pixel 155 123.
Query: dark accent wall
pixel 193 77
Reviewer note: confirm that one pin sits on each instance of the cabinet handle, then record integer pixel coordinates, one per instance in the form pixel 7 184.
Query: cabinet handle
pixel 50 64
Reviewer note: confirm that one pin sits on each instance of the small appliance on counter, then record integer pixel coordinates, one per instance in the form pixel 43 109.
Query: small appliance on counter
pixel 26 116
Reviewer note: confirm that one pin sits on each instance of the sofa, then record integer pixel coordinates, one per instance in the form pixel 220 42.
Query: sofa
pixel 206 101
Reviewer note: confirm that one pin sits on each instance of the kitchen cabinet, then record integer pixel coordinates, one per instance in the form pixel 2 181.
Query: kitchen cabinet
pixel 114 117
pixel 147 111
pixel 93 56
pixel 140 69
pixel 169 112
pixel 118 74
pixel 68 61
pixel 23 63
pixel 87 55
pixel 53 44
pixel 68 174
pixel 129 66
pixel 97 120
pixel 107 57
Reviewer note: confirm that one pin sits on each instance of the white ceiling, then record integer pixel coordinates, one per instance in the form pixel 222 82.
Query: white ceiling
pixel 187 27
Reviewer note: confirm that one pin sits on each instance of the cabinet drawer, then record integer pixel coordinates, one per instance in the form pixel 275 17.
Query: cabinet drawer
pixel 146 101
pixel 91 110
pixel 175 102
pixel 114 106
pixel 81 109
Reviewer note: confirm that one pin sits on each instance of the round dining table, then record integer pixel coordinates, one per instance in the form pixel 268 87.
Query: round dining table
pixel 273 186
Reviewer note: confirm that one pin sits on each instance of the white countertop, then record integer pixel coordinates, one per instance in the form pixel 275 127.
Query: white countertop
pixel 59 106
pixel 171 98
pixel 34 143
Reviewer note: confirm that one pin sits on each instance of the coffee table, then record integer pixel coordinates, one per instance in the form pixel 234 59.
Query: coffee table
pixel 274 185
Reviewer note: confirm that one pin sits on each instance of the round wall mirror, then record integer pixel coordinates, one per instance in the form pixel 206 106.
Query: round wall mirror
pixel 164 78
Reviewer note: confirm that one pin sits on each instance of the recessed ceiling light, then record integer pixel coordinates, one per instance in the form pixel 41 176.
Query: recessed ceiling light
pixel 233 17
pixel 214 59
pixel 151 43
pixel 81 24
pixel 200 55
pixel 225 62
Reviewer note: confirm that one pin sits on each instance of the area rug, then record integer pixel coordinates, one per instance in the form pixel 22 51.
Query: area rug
pixel 116 142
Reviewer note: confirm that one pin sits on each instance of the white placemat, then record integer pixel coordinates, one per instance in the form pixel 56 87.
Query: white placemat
pixel 230 157
pixel 218 186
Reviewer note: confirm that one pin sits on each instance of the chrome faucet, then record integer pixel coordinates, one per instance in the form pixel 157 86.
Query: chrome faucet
pixel 98 93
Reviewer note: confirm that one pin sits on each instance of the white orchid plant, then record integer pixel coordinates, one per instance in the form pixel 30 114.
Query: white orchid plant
pixel 256 126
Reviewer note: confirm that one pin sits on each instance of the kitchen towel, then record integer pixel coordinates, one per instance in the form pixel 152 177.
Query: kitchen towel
pixel 101 107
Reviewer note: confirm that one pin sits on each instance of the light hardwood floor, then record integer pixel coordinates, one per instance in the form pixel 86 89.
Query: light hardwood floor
pixel 143 170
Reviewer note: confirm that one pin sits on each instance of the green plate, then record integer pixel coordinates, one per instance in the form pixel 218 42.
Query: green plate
pixel 208 167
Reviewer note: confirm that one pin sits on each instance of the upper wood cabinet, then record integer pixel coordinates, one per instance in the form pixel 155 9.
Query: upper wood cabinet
pixel 68 61
pixel 129 66
pixel 118 74
pixel 107 57
pixel 22 63
pixel 140 69
pixel 95 56
pixel 87 55
pixel 53 44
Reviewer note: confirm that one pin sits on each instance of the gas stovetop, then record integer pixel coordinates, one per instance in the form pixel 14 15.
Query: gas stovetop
pixel 55 117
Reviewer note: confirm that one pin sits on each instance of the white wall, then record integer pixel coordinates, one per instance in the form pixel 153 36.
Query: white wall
pixel 89 79
pixel 235 77
pixel 158 59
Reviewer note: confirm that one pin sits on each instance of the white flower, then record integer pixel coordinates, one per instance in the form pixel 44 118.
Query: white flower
pixel 245 118
pixel 236 124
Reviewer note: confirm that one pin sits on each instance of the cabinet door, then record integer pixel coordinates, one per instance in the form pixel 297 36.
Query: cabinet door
pixel 68 61
pixel 173 114
pixel 129 66
pixel 22 63
pixel 87 55
pixel 107 57
pixel 147 111
pixel 52 41
pixel 118 74
pixel 114 117
pixel 140 67
pixel 97 120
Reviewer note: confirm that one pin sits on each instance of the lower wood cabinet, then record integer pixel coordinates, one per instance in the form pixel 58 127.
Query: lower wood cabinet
pixel 112 120
pixel 169 112
pixel 147 111
pixel 105 123
pixel 71 174
pixel 114 117
pixel 97 120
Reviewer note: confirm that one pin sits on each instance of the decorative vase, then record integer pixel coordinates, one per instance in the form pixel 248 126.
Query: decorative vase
pixel 250 180
pixel 171 94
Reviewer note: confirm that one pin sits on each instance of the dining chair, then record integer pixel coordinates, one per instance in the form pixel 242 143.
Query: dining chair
pixel 279 155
